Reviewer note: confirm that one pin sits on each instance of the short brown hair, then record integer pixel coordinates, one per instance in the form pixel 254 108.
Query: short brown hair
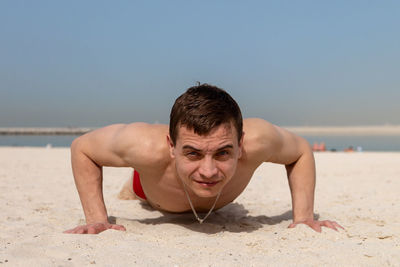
pixel 202 108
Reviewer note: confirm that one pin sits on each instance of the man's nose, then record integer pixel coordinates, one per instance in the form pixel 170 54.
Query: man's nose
pixel 207 168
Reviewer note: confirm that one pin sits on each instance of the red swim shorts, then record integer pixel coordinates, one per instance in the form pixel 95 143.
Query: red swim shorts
pixel 137 186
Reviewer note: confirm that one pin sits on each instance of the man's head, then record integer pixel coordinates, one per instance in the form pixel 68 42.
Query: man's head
pixel 205 138
pixel 202 108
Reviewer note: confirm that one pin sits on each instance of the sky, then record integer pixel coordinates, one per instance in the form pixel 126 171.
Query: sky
pixel 293 63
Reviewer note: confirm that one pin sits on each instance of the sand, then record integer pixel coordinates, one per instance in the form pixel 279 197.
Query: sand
pixel 359 190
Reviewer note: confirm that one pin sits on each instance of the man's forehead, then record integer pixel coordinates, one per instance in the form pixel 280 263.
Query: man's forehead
pixel 221 130
pixel 221 134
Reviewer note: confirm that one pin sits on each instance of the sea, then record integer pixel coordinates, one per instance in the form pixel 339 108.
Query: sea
pixel 332 143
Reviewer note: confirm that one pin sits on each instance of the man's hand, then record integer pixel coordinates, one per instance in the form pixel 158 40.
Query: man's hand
pixel 316 225
pixel 94 228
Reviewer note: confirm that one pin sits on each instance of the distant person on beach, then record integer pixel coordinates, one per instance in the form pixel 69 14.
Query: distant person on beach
pixel 201 162
pixel 319 147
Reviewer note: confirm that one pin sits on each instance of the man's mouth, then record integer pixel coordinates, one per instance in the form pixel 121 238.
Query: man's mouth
pixel 207 184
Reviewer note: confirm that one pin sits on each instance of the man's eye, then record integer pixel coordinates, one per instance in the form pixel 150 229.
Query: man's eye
pixel 223 153
pixel 192 154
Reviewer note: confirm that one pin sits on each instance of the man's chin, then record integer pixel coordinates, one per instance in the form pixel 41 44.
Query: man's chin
pixel 206 190
pixel 205 194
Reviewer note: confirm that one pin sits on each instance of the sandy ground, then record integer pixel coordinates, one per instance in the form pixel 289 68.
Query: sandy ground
pixel 359 190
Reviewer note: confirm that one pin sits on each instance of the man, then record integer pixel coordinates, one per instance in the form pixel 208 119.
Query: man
pixel 201 162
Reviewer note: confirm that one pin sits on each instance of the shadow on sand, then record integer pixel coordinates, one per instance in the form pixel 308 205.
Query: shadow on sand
pixel 232 218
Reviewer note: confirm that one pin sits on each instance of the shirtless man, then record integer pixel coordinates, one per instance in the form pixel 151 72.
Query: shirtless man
pixel 202 161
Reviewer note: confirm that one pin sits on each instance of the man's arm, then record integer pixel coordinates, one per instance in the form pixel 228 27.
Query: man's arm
pixel 108 146
pixel 284 147
pixel 301 175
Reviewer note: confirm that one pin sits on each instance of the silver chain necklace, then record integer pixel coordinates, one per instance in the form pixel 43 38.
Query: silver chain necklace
pixel 194 211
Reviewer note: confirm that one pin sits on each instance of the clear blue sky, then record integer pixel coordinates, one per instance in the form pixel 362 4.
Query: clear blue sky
pixel 92 63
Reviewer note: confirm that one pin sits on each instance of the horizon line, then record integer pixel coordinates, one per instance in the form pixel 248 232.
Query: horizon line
pixel 300 130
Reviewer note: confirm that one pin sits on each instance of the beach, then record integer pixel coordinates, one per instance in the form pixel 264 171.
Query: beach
pixel 358 190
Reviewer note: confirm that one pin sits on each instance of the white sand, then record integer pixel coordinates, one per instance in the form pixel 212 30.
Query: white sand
pixel 359 190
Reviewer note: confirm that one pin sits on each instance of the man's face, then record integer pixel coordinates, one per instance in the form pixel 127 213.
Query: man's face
pixel 205 164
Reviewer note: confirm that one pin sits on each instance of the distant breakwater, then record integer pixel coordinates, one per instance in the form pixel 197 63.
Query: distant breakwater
pixel 44 131
pixel 386 130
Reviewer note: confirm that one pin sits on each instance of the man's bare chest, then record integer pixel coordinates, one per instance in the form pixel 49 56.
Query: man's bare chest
pixel 167 193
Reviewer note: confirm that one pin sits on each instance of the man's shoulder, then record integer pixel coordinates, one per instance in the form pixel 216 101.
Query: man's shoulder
pixel 146 134
pixel 257 127
pixel 261 138
pixel 146 128
pixel 144 143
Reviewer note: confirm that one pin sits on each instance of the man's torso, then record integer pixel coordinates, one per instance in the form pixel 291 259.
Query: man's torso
pixel 164 190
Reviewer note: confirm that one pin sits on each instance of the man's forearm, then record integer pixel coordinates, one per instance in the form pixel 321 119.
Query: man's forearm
pixel 88 181
pixel 301 175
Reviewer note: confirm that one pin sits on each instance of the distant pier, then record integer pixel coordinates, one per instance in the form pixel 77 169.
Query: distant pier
pixel 44 131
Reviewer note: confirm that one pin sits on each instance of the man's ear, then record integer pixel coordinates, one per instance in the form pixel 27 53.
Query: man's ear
pixel 241 145
pixel 171 146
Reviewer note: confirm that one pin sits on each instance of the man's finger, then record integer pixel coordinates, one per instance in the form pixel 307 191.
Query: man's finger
pixel 80 231
pixel 292 225
pixel 92 231
pixel 118 227
pixel 316 227
pixel 334 225
pixel 329 224
pixel 337 225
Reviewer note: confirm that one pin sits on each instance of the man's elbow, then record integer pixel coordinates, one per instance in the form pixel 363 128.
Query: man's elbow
pixel 304 150
pixel 76 145
pixel 304 145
